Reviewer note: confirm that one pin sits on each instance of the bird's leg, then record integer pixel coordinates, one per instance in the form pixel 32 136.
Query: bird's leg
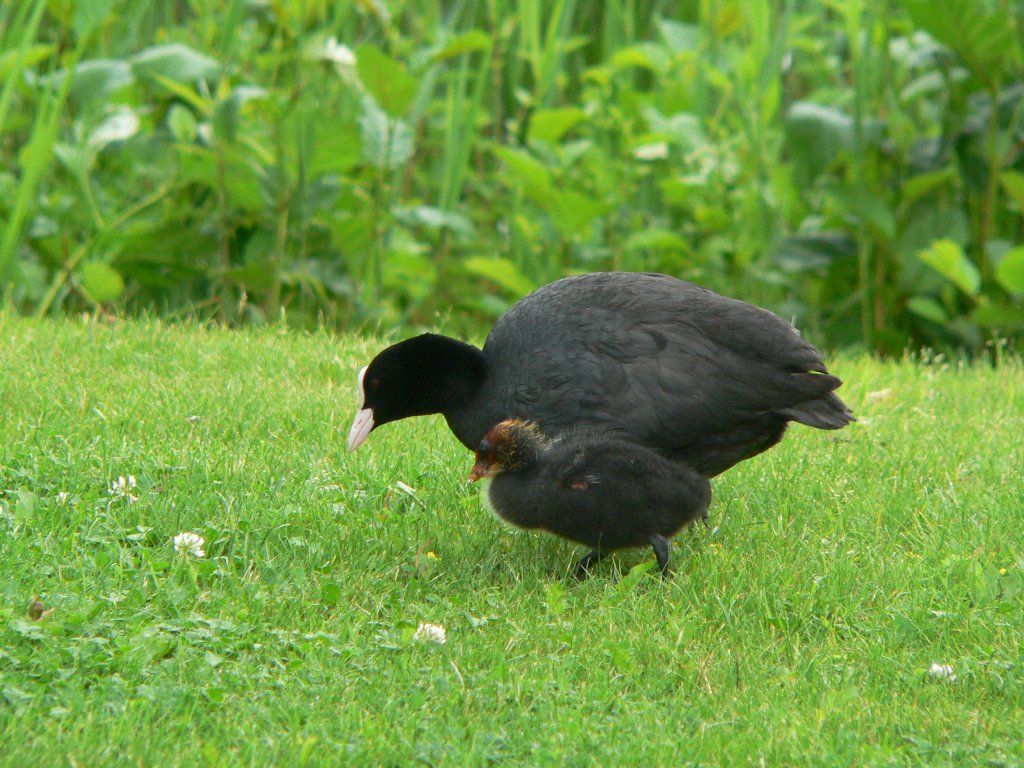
pixel 584 563
pixel 661 550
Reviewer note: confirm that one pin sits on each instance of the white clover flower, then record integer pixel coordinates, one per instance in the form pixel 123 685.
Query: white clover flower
pixel 430 633
pixel 338 53
pixel 189 543
pixel 63 498
pixel 656 151
pixel 122 488
pixel 943 672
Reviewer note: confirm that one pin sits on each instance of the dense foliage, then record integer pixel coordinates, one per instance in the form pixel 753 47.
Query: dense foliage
pixel 858 166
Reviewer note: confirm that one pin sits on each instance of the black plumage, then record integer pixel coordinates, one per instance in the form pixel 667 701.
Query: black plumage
pixel 598 490
pixel 704 380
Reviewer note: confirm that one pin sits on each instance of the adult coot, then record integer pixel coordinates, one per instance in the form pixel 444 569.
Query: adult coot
pixel 703 379
pixel 599 490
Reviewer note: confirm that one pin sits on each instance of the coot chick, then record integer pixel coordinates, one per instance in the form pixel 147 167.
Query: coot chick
pixel 599 490
pixel 704 380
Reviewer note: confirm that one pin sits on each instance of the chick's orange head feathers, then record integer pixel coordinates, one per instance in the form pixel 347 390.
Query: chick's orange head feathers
pixel 500 447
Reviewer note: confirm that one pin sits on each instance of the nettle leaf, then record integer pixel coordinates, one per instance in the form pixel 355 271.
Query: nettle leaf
pixel 550 125
pixel 100 281
pixel 1010 271
pixel 815 133
pixel 869 207
pixel 387 142
pixel 175 62
pixel 949 260
pixel 928 308
pixel 572 211
pixel 983 35
pixel 386 79
pixel 502 272
pixel 530 173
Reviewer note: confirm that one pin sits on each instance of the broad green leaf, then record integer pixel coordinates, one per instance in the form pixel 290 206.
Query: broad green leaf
pixel 550 125
pixel 1013 183
pixel 815 133
pixel 337 148
pixel 999 316
pixel 868 206
pixel 175 62
pixel 1010 271
pixel 330 594
pixel 100 281
pixel 227 111
pixel 182 123
pixel 656 240
pixel 118 126
pixel 435 218
pixel 89 15
pixel 386 79
pixel 387 143
pixel 256 276
pixel 98 78
pixel 928 308
pixel 982 34
pixel 409 274
pixel 646 55
pixel 682 128
pixel 500 271
pixel 680 37
pixel 634 56
pixel 814 250
pixel 467 42
pixel 149 646
pixel 572 211
pixel 534 175
pixel 948 259
pixel 922 184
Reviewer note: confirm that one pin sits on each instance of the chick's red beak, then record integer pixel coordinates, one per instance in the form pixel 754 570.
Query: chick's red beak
pixel 479 470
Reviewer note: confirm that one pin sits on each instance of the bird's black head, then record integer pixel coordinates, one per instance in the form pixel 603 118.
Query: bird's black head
pixel 421 375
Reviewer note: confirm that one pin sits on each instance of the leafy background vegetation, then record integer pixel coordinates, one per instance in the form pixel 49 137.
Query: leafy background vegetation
pixel 856 166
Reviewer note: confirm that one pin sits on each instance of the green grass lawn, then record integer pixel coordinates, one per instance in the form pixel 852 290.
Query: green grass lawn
pixel 800 628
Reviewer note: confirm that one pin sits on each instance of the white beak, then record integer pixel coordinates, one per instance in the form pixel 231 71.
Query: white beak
pixel 360 428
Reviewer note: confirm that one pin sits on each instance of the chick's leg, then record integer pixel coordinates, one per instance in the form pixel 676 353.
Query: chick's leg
pixel 584 563
pixel 662 549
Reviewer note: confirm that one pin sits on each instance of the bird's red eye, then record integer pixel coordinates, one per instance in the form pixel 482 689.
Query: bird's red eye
pixel 374 383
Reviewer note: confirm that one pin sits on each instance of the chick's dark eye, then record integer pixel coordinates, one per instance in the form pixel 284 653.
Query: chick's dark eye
pixel 374 383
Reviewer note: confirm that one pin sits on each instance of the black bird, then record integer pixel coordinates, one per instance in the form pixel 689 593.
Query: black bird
pixel 598 490
pixel 704 380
